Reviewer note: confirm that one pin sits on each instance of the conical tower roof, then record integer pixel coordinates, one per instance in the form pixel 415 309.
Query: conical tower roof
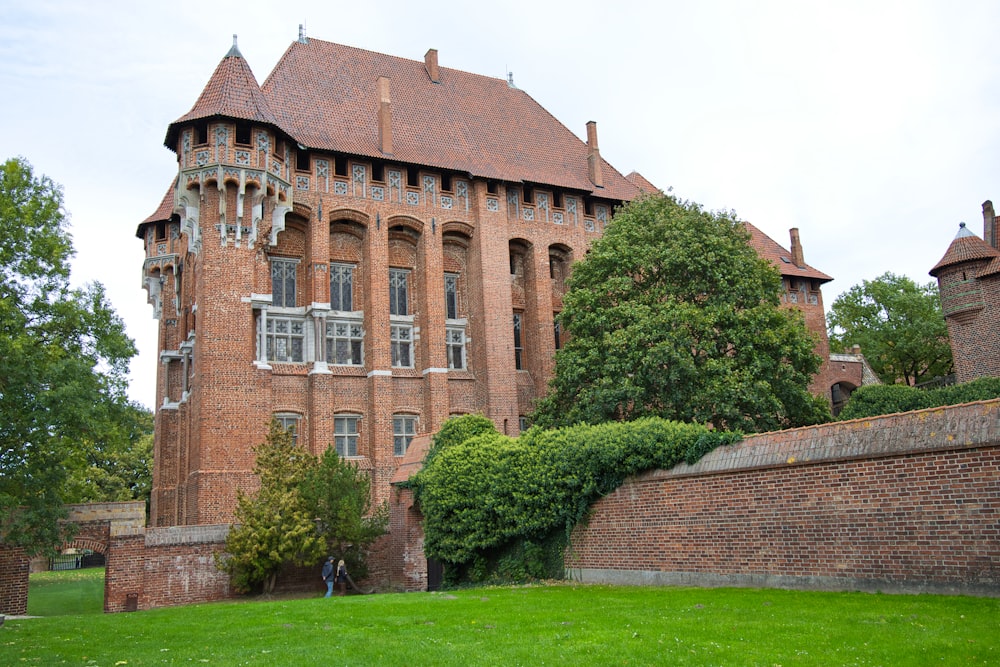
pixel 967 247
pixel 232 92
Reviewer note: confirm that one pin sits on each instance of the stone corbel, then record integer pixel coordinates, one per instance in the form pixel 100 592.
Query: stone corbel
pixel 188 212
pixel 278 222
pixel 258 215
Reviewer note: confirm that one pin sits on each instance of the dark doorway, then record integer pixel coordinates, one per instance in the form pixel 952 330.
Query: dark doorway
pixel 435 572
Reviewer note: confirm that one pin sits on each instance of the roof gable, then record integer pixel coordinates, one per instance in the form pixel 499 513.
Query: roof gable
pixel 769 249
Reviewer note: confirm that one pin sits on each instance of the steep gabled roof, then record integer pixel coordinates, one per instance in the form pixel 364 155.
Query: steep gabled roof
pixel 769 249
pixel 967 247
pixel 640 181
pixel 231 92
pixel 324 95
pixel 163 212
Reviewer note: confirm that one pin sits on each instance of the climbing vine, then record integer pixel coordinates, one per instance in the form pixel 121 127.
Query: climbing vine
pixel 487 498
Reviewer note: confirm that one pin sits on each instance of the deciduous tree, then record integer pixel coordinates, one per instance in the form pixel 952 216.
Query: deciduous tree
pixel 673 314
pixel 117 466
pixel 63 359
pixel 899 325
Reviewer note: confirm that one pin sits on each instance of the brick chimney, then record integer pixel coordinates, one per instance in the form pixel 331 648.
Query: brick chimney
pixel 384 116
pixel 990 232
pixel 431 64
pixel 797 258
pixel 594 156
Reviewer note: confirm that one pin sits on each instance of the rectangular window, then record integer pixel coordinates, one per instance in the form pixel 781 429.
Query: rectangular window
pixel 404 427
pixel 283 283
pixel 344 343
pixel 451 296
pixel 285 338
pixel 518 345
pixel 289 422
pixel 345 435
pixel 557 331
pixel 401 341
pixel 341 287
pixel 456 348
pixel 398 304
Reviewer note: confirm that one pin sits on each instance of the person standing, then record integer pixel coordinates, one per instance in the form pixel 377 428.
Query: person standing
pixel 328 576
pixel 341 578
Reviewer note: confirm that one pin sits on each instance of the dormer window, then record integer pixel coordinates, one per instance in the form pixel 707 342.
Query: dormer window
pixel 243 132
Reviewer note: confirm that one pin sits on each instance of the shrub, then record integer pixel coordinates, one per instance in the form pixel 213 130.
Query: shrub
pixel 494 506
pixel 885 399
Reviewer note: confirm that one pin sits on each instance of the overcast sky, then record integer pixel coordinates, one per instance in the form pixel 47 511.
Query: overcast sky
pixel 871 126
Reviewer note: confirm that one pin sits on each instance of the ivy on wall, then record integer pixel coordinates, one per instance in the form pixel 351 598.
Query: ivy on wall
pixel 489 500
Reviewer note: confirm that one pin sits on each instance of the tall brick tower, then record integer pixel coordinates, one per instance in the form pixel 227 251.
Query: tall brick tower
pixel 969 281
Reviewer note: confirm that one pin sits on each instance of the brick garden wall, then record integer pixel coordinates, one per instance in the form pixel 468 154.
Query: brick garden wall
pixel 13 581
pixel 901 503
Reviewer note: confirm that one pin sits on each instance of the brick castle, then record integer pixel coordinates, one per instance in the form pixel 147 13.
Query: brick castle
pixel 362 247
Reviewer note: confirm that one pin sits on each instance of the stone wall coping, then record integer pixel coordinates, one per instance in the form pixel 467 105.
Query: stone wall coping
pixel 131 511
pixel 186 535
pixel 934 429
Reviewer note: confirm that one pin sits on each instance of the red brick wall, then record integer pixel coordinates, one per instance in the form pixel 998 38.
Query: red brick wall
pixel 901 503
pixel 972 309
pixel 13 581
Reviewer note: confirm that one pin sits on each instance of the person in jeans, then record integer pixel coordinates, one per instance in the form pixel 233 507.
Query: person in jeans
pixel 328 576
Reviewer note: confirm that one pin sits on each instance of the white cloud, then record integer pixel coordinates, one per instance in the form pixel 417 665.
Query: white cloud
pixel 870 126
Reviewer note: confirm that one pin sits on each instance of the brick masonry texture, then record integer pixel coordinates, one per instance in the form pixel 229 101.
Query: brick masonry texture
pixel 901 503
pixel 271 174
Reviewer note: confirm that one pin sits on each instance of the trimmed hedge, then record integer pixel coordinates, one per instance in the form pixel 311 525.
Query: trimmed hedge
pixel 489 497
pixel 885 399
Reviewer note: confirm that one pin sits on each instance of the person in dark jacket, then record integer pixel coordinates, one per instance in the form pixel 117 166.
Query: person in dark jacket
pixel 328 576
pixel 341 578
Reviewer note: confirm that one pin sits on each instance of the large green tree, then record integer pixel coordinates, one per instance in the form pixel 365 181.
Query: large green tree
pixel 338 493
pixel 305 508
pixel 63 360
pixel 119 465
pixel 898 324
pixel 672 314
pixel 273 527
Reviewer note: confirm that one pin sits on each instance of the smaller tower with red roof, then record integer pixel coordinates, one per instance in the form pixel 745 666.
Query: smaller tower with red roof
pixel 969 283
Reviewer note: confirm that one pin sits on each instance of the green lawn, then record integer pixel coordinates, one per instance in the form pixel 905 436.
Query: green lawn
pixel 67 592
pixel 536 625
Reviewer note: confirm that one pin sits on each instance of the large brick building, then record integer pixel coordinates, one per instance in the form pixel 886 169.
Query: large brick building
pixel 361 247
pixel 969 283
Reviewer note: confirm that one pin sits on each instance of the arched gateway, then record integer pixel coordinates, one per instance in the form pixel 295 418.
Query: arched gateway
pixel 95 523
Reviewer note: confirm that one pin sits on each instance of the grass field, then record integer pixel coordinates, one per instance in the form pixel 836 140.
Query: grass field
pixel 560 624
pixel 68 592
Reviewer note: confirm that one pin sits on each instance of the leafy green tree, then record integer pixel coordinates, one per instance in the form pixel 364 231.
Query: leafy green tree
pixel 274 527
pixel 119 465
pixel 899 325
pixel 63 360
pixel 673 314
pixel 339 495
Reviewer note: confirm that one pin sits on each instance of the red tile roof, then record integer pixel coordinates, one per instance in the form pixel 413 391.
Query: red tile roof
pixel 324 96
pixel 968 247
pixel 639 181
pixel 769 249
pixel 232 92
pixel 163 212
